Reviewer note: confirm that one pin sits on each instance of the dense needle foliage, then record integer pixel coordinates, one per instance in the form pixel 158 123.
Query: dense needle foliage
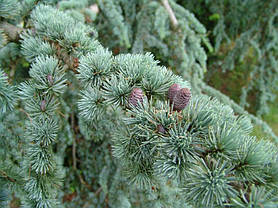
pixel 84 126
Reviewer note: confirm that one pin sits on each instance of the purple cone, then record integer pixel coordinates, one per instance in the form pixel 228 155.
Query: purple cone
pixel 43 105
pixel 161 129
pixel 50 79
pixel 173 90
pixel 181 99
pixel 135 96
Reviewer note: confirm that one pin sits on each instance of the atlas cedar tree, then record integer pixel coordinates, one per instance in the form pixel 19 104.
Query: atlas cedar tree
pixel 68 140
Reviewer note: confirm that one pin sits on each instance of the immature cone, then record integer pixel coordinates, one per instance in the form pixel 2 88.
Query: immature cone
pixel 50 79
pixel 43 105
pixel 136 95
pixel 161 129
pixel 75 62
pixel 173 90
pixel 181 99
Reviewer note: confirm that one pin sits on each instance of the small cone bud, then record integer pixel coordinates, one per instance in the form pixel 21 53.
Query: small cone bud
pixel 173 90
pixel 161 129
pixel 50 79
pixel 94 8
pixel 92 34
pixel 33 31
pixel 181 99
pixel 135 96
pixel 43 105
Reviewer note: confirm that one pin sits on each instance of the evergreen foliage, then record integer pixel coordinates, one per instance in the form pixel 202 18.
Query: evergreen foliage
pixel 182 45
pixel 83 127
pixel 252 34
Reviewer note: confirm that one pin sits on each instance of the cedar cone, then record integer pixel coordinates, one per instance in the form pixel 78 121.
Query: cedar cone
pixel 173 91
pixel 161 129
pixel 43 105
pixel 50 79
pixel 135 96
pixel 181 99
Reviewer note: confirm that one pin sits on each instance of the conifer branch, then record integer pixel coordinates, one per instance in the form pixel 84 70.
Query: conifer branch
pixel 73 142
pixel 12 31
pixel 237 108
pixel 22 110
pixel 169 140
pixel 4 174
pixel 170 13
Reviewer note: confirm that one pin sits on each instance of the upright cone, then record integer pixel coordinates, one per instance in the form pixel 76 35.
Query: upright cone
pixel 136 96
pixel 161 129
pixel 50 79
pixel 181 99
pixel 172 92
pixel 43 105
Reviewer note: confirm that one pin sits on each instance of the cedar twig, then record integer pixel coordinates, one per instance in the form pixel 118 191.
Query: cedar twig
pixel 88 186
pixel 20 109
pixel 6 176
pixel 98 191
pixel 62 114
pixel 171 13
pixel 11 31
pixel 73 143
pixel 70 62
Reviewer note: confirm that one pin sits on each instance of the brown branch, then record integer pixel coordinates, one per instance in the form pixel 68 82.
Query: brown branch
pixel 11 31
pixel 88 186
pixel 171 13
pixel 63 115
pixel 6 176
pixel 98 191
pixel 20 109
pixel 70 62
